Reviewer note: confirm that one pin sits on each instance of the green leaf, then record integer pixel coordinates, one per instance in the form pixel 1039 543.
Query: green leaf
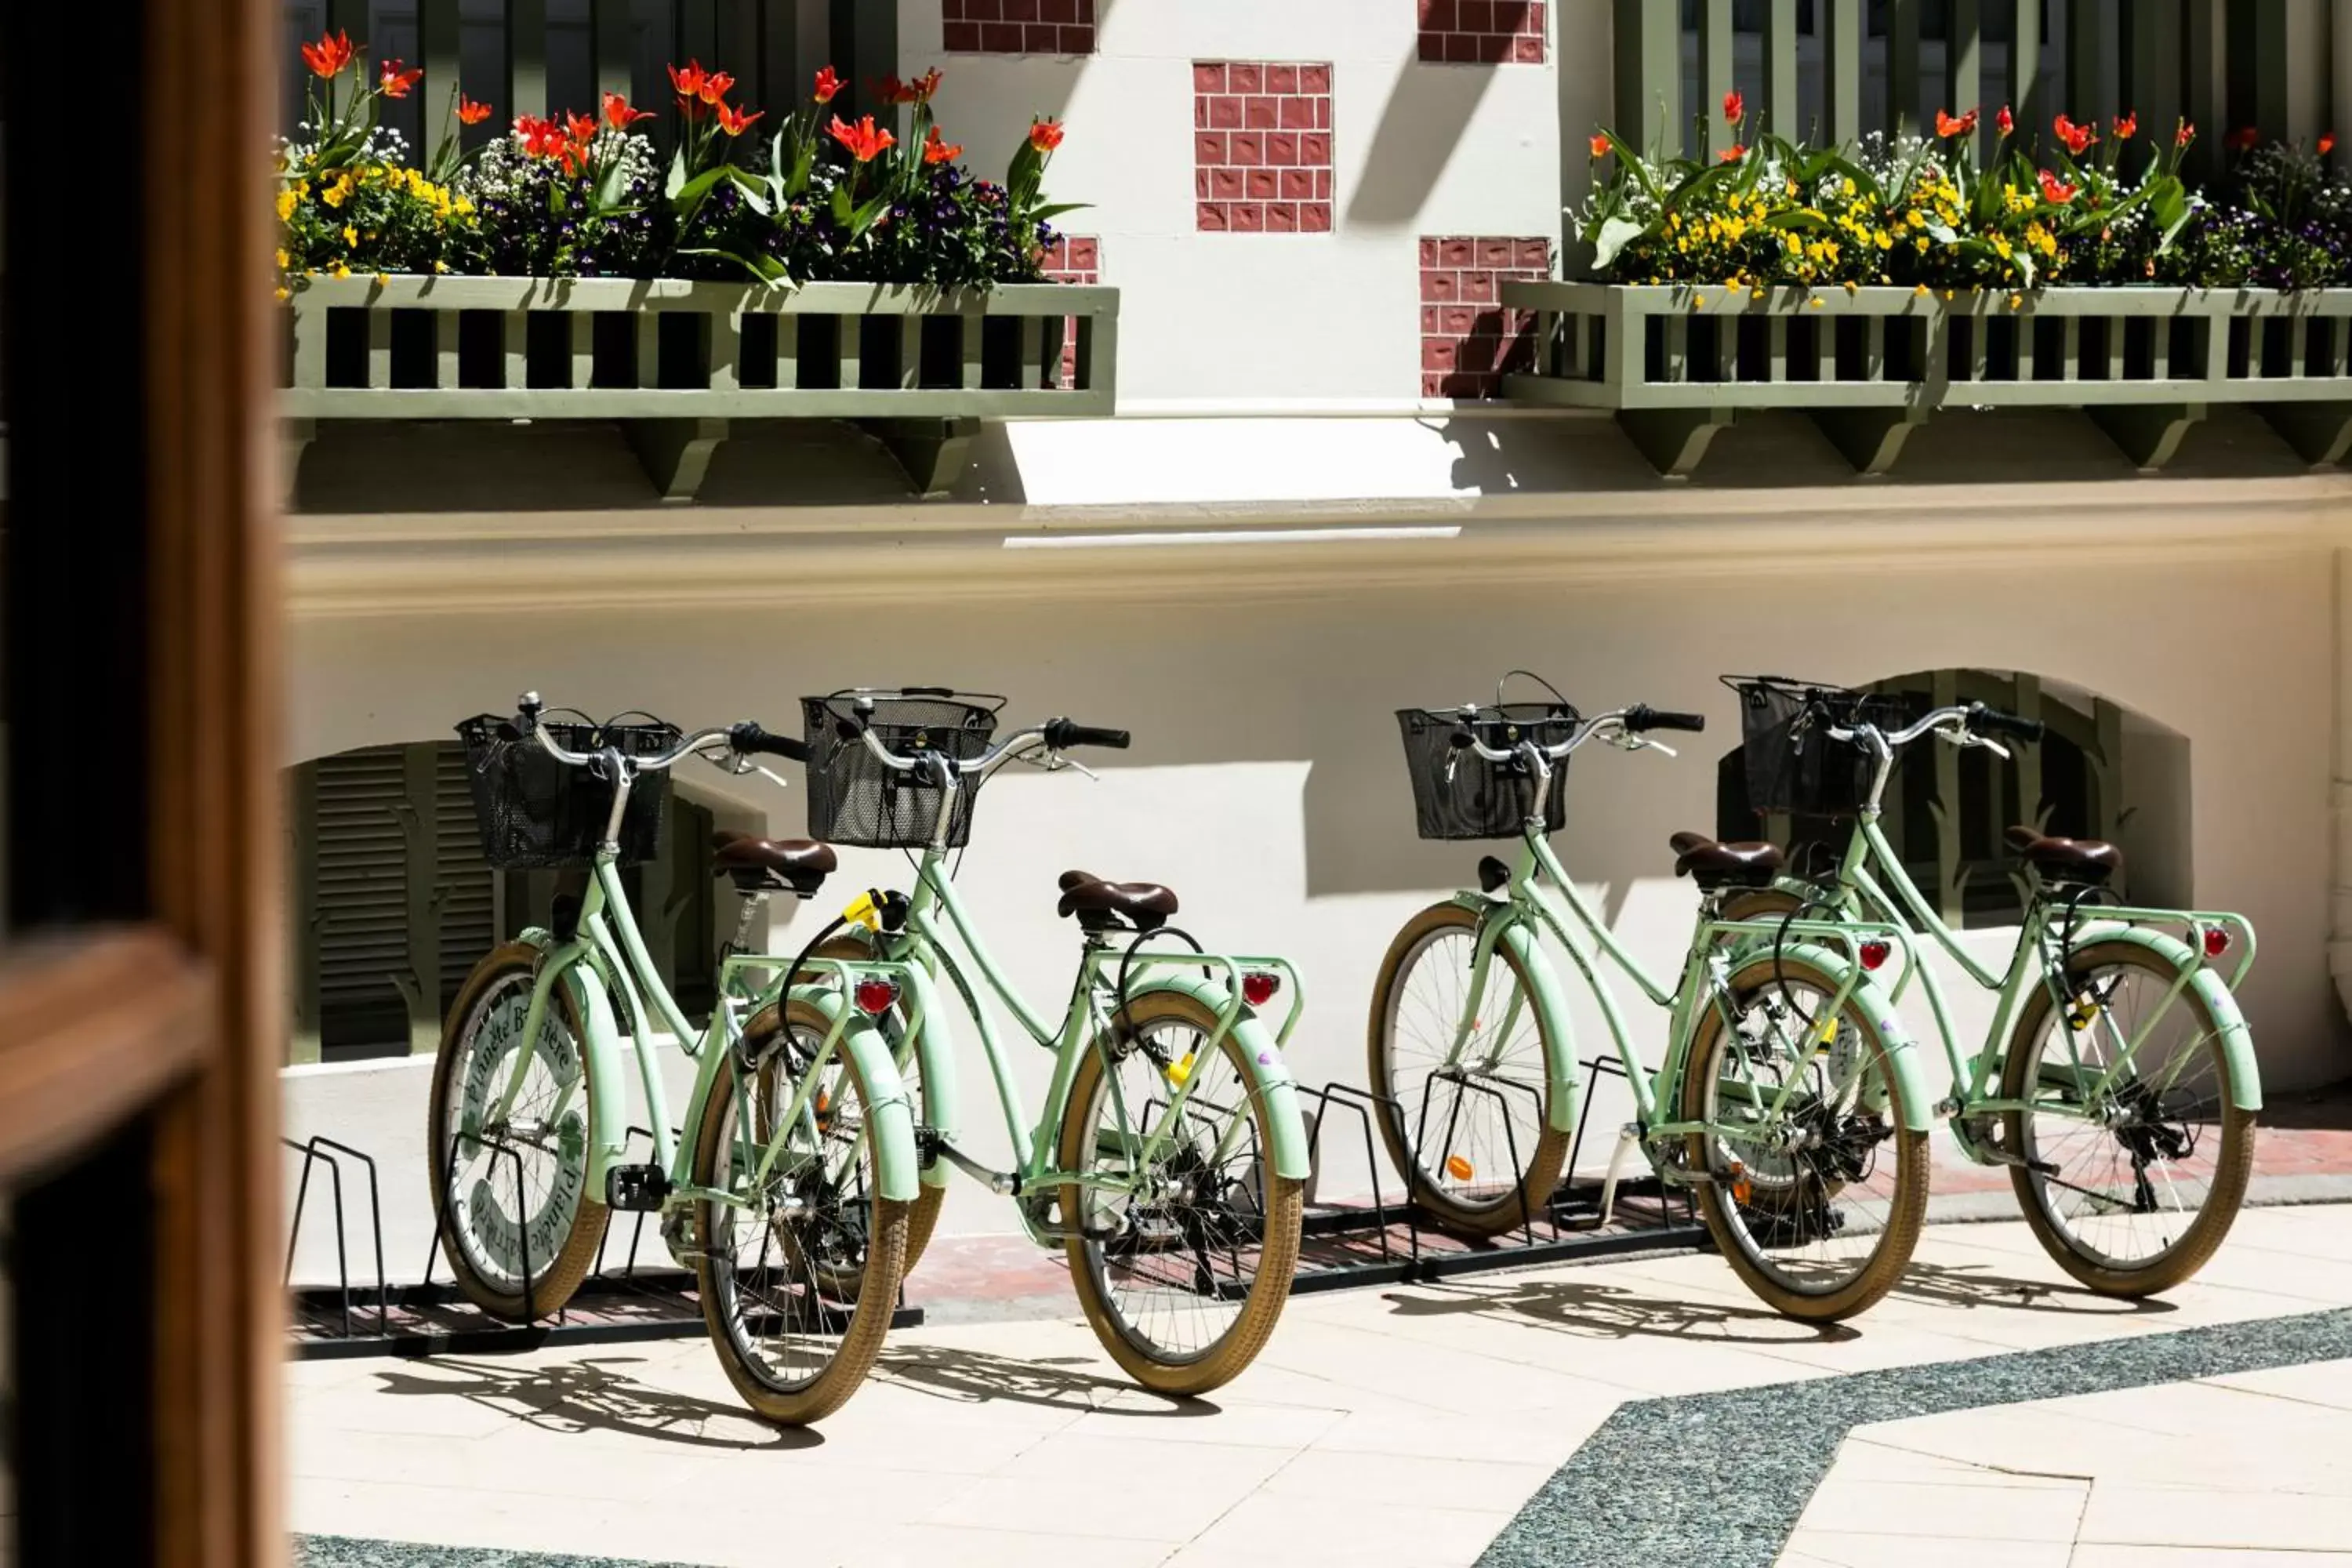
pixel 750 187
pixel 764 269
pixel 1637 167
pixel 675 182
pixel 1057 209
pixel 1612 235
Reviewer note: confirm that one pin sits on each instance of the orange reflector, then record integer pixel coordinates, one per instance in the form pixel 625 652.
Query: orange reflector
pixel 1460 1169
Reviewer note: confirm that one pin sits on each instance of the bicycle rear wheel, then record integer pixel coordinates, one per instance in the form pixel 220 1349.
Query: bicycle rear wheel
pixel 798 1281
pixel 1816 1188
pixel 1474 1141
pixel 2130 1188
pixel 1182 1276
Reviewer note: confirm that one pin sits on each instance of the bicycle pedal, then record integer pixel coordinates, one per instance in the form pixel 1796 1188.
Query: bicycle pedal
pixel 640 1189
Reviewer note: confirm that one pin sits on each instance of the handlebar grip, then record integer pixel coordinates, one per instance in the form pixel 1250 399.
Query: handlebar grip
pixel 1645 717
pixel 1992 721
pixel 749 738
pixel 1063 733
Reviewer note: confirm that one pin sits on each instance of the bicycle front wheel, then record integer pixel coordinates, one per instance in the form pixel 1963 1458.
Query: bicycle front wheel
pixel 799 1278
pixel 1469 1129
pixel 923 1217
pixel 1184 1266
pixel 2135 1160
pixel 509 1174
pixel 1814 1189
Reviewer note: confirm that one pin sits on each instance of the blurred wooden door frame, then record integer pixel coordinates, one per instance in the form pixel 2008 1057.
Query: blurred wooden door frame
pixel 141 1002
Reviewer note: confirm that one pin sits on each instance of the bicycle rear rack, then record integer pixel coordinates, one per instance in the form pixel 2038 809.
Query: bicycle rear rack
pixel 428 1318
pixel 1395 1240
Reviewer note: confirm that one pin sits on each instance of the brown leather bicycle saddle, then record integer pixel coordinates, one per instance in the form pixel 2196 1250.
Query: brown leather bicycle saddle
pixel 1098 904
pixel 758 865
pixel 1713 864
pixel 2091 860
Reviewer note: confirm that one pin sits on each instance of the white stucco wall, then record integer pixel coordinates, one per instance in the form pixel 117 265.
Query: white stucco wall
pixel 1266 784
pixel 1416 149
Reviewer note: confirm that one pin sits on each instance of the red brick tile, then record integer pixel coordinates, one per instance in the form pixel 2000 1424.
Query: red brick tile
pixel 1461 49
pixel 1428 252
pixel 1225 113
pixel 1282 217
pixel 1248 148
pixel 1057 10
pixel 1441 286
pixel 1496 252
pixel 963 38
pixel 1086 13
pixel 1315 78
pixel 1001 37
pixel 1282 148
pixel 1315 217
pixel 1458 320
pixel 1298 113
pixel 1020 10
pixel 1534 22
pixel 1078 38
pixel 1534 253
pixel 1209 148
pixel 1208 76
pixel 1429 318
pixel 1438 353
pixel 1438 15
pixel 1453 251
pixel 1246 77
pixel 1262 185
pixel 1281 80
pixel 984 10
pixel 1314 149
pixel 1261 114
pixel 1041 38
pixel 1224 185
pixel 1527 51
pixel 1322 184
pixel 1433 386
pixel 1298 184
pixel 1085 252
pixel 1322 114
pixel 1249 218
pixel 1212 217
pixel 1475 16
pixel 1480 287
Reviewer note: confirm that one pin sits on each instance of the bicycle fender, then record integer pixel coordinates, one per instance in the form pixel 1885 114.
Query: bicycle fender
pixel 935 1052
pixel 1902 1054
pixel 889 1118
pixel 608 1109
pixel 2237 1039
pixel 1270 1079
pixel 1550 1002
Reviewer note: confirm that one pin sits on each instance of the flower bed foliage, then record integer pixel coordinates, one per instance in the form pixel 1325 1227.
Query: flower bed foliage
pixel 1921 212
pixel 581 196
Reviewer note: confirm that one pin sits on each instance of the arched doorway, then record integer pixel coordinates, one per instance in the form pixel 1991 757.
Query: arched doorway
pixel 2100 771
pixel 392 903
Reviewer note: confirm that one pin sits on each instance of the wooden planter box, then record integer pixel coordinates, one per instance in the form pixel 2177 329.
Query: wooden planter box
pixel 675 360
pixel 1676 363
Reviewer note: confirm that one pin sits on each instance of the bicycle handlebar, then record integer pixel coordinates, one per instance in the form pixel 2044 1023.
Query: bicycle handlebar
pixel 1058 734
pixel 1982 719
pixel 749 738
pixel 745 739
pixel 1063 733
pixel 1974 720
pixel 1629 721
pixel 1641 716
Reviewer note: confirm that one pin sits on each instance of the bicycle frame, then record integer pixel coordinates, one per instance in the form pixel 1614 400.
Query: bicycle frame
pixel 2041 939
pixel 1527 911
pixel 938 925
pixel 606 957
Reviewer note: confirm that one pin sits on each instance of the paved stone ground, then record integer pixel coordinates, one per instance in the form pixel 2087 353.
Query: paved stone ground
pixel 1423 1426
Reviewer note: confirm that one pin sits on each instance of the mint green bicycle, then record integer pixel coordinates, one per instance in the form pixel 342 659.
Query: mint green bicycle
pixel 2116 1081
pixel 789 1194
pixel 1788 1100
pixel 1168 1160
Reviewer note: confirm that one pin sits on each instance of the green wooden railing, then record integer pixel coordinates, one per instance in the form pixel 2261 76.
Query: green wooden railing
pixel 1678 363
pixel 674 360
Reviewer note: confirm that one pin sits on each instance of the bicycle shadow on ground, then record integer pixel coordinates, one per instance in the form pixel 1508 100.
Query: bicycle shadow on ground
pixel 976 1377
pixel 1970 1284
pixel 588 1396
pixel 1597 1311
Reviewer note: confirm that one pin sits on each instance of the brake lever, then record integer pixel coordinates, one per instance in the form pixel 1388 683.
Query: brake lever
pixel 1966 739
pixel 1626 741
pixel 1053 762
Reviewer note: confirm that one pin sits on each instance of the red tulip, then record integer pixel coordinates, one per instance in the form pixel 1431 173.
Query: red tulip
pixel 2004 122
pixel 1734 108
pixel 397 82
pixel 922 88
pixel 2055 190
pixel 582 127
pixel 827 84
pixel 1045 134
pixel 1947 127
pixel 619 115
pixel 2327 143
pixel 715 87
pixel 1599 144
pixel 938 149
pixel 864 141
pixel 890 89
pixel 328 56
pixel 2184 135
pixel 688 84
pixel 734 121
pixel 2078 138
pixel 1735 152
pixel 2244 140
pixel 469 112
pixel 2127 126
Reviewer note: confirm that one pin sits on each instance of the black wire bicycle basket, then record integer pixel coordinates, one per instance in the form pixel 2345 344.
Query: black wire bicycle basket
pixel 1794 764
pixel 855 799
pixel 1458 794
pixel 536 813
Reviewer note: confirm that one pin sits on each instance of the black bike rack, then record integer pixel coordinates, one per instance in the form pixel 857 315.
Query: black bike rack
pixel 428 1318
pixel 1579 1223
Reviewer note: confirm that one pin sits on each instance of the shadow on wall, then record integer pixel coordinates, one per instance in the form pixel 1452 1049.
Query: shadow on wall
pixel 1428 109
